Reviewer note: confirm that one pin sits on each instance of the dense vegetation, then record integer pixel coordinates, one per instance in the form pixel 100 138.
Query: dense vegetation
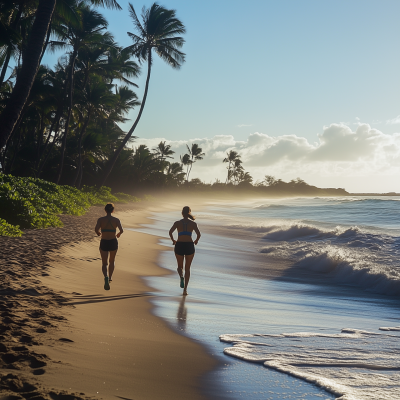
pixel 35 203
pixel 62 123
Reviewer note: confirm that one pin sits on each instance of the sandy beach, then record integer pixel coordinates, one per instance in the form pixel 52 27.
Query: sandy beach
pixel 264 283
pixel 63 336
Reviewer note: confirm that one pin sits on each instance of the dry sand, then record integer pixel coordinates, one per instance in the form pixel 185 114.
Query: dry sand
pixel 62 336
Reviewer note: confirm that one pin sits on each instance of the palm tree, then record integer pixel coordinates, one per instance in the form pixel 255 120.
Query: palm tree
pixel 30 65
pixel 233 158
pixel 144 164
pixel 269 180
pixel 175 174
pixel 163 151
pixel 79 35
pixel 244 177
pixel 195 154
pixel 96 99
pixel 159 33
pixel 10 37
pixel 237 170
pixel 31 60
pixel 186 161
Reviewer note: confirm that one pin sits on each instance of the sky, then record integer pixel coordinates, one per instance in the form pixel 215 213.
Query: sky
pixel 301 88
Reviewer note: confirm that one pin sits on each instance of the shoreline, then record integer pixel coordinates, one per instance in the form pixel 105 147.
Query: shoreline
pixel 73 340
pixel 232 294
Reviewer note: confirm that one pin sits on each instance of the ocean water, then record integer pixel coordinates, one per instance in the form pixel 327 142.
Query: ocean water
pixel 298 298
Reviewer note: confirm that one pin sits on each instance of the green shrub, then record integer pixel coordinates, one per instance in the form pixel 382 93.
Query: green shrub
pixel 126 198
pixel 7 229
pixel 35 203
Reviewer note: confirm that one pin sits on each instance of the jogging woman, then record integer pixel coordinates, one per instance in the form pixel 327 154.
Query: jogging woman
pixel 108 244
pixel 184 246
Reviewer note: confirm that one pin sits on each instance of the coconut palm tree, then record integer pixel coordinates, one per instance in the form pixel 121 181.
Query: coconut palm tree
pixel 195 154
pixel 10 37
pixel 186 162
pixel 244 178
pixel 232 158
pixel 81 34
pixel 95 99
pixel 174 174
pixel 163 151
pixel 158 32
pixel 31 59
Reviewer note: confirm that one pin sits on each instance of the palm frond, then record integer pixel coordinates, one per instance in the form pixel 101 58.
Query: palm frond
pixel 135 20
pixel 107 3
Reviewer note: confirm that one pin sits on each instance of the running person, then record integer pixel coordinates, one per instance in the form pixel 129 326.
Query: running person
pixel 108 244
pixel 184 246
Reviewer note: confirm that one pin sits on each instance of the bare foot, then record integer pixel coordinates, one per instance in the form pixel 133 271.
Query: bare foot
pixel 185 293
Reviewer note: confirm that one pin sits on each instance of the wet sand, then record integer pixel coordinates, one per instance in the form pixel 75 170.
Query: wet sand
pixel 63 336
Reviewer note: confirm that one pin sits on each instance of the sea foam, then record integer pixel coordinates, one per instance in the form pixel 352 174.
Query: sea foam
pixel 352 364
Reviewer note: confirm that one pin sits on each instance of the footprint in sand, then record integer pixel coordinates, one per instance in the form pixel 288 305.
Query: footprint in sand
pixel 39 371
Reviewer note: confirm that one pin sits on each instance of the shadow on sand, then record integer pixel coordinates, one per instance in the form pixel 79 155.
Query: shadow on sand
pixel 98 298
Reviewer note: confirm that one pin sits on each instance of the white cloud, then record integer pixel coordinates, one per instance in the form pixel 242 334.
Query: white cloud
pixel 340 152
pixel 242 125
pixel 393 121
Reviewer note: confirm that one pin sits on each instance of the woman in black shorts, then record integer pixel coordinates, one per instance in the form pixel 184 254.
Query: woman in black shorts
pixel 108 244
pixel 184 246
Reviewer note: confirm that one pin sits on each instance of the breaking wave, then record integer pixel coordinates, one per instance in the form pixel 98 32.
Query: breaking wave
pixel 352 255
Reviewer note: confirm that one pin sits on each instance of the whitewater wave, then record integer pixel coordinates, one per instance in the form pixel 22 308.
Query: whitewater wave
pixel 389 328
pixel 370 201
pixel 364 256
pixel 286 231
pixel 352 255
pixel 374 270
pixel 353 364
pixel 271 206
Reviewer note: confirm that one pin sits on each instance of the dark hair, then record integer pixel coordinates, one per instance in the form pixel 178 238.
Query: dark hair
pixel 109 208
pixel 188 212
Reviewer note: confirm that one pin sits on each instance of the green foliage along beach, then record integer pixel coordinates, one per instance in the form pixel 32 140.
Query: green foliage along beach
pixel 34 203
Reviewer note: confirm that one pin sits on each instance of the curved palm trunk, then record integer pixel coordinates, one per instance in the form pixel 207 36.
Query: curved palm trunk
pixel 71 92
pixel 117 152
pixel 30 65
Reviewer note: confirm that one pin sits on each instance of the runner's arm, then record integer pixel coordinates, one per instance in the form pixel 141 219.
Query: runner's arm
pixel 196 229
pixel 121 230
pixel 171 231
pixel 97 227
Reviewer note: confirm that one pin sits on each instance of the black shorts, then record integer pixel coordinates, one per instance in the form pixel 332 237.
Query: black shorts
pixel 184 248
pixel 109 245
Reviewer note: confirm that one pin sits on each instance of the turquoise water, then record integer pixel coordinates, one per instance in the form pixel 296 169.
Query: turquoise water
pixel 291 329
